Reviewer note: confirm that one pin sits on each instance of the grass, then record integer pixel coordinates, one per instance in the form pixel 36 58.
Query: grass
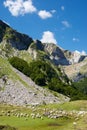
pixel 6 127
pixel 62 123
pixel 69 106
pixel 6 69
pixel 34 124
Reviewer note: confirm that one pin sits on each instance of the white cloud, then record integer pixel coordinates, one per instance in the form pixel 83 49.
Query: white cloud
pixel 80 53
pixel 66 24
pixel 20 7
pixel 62 8
pixel 75 39
pixel 48 37
pixel 44 14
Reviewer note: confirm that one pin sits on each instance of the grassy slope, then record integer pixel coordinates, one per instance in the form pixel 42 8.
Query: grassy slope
pixel 6 69
pixel 37 124
pixel 69 106
pixel 47 124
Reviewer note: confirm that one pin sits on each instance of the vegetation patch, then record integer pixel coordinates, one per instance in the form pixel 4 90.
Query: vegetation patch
pixel 81 85
pixel 43 74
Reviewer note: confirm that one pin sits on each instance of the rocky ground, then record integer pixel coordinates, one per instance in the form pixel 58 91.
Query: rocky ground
pixel 16 93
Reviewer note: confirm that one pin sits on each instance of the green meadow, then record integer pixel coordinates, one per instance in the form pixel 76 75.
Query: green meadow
pixel 10 120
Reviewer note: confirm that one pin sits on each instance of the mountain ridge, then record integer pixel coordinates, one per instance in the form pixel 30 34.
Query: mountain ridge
pixel 23 42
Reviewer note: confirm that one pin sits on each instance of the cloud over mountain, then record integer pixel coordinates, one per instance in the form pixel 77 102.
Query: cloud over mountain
pixel 48 37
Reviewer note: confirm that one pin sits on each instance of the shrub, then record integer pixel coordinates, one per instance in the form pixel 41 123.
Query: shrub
pixel 20 64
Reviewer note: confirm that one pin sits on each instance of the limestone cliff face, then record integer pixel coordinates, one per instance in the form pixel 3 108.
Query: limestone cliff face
pixel 59 56
pixel 56 54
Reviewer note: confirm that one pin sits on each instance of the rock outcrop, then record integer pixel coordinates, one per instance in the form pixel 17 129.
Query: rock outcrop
pixel 56 54
pixel 75 57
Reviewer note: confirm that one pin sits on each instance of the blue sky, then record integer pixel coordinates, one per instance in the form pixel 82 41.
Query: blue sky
pixel 63 22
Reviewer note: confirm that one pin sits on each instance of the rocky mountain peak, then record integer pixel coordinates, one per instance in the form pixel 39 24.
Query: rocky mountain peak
pixel 56 54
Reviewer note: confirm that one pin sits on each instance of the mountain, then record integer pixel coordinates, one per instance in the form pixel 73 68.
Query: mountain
pixel 54 53
pixel 32 72
pixel 16 39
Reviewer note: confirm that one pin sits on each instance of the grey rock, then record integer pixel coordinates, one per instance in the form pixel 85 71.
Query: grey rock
pixel 15 93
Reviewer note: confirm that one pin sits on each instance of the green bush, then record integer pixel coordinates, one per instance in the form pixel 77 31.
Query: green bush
pixel 39 71
pixel 20 64
pixel 40 80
